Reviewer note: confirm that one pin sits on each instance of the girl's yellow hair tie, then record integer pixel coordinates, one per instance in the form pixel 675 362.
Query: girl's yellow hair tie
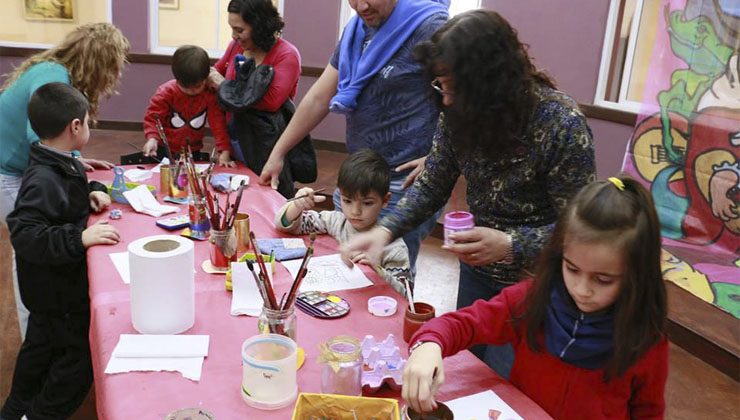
pixel 617 183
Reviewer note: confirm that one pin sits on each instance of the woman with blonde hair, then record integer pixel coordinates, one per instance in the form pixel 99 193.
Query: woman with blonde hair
pixel 91 59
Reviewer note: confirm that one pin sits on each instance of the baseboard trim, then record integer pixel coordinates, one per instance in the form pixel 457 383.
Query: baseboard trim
pixel 321 144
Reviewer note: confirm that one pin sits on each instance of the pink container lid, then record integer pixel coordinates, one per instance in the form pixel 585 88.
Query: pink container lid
pixel 459 220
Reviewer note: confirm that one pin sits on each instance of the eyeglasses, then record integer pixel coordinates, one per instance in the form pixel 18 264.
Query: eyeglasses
pixel 436 85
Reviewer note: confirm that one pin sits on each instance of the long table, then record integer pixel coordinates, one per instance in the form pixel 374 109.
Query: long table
pixel 152 395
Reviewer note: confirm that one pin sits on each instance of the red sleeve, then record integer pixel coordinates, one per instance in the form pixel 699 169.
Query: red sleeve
pixel 287 66
pixel 217 121
pixel 648 400
pixel 158 107
pixel 483 322
pixel 228 57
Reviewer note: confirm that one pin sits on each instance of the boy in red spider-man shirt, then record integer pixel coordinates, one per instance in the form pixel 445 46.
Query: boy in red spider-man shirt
pixel 183 105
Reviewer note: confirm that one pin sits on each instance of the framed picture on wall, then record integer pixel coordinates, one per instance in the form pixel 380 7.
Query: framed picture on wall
pixel 53 10
pixel 169 4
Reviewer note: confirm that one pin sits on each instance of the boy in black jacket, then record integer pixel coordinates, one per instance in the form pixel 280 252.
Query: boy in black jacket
pixel 53 372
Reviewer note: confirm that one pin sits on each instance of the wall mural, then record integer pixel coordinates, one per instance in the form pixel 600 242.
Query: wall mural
pixel 686 144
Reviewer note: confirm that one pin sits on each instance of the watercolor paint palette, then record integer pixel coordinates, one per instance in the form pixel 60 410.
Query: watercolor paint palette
pixel 322 305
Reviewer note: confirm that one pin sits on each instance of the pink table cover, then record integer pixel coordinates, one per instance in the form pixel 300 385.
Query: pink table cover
pixel 152 395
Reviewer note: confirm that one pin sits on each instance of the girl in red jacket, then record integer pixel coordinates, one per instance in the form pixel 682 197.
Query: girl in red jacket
pixel 588 331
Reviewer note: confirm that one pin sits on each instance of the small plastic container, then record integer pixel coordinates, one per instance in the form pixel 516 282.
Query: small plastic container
pixel 382 305
pixel 456 221
pixel 276 321
pixel 269 371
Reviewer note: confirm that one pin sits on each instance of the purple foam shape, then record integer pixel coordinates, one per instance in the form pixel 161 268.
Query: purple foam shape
pixel 383 364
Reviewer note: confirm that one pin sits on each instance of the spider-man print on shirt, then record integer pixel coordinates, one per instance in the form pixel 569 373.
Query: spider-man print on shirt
pixel 184 117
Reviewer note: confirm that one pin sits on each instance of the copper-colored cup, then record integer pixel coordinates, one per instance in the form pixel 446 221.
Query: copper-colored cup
pixel 413 321
pixel 165 179
pixel 241 226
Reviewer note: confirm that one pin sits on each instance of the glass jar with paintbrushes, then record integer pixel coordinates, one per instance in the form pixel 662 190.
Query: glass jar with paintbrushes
pixel 223 236
pixel 277 317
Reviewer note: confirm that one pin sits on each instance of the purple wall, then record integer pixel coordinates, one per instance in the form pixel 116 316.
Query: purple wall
pixel 565 43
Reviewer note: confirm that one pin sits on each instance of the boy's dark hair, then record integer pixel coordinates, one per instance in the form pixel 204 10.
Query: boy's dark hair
pixel 603 213
pixel 190 65
pixel 264 19
pixel 364 172
pixel 53 106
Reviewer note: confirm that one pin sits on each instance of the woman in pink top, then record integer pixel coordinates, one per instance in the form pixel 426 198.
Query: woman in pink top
pixel 255 28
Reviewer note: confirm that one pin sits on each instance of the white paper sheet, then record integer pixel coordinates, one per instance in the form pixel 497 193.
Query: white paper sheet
pixel 137 175
pixel 477 406
pixel 189 367
pixel 200 167
pixel 160 345
pixel 327 274
pixel 246 298
pixel 181 353
pixel 237 180
pixel 120 261
pixel 142 200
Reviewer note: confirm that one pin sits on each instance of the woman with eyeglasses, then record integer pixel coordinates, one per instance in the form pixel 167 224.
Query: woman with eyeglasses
pixel 523 147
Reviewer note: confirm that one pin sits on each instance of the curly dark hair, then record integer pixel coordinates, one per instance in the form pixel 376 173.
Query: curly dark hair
pixel 493 79
pixel 264 19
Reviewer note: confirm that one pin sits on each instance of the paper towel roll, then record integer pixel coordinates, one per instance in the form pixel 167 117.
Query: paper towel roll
pixel 162 284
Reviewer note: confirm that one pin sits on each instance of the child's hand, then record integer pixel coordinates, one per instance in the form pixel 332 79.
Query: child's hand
pixel 362 258
pixel 422 377
pixel 93 164
pixel 214 79
pixel 224 159
pixel 99 200
pixel 150 147
pixel 309 199
pixel 366 246
pixel 100 233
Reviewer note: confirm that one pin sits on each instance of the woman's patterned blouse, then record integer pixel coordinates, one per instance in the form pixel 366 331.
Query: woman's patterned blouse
pixel 520 194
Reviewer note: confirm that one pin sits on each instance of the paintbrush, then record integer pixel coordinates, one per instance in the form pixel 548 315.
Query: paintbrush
pixel 139 149
pixel 409 294
pixel 302 271
pixel 163 137
pixel 238 200
pixel 257 280
pixel 257 252
pixel 306 195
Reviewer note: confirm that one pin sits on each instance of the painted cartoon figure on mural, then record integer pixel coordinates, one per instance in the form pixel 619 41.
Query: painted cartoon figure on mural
pixel 689 150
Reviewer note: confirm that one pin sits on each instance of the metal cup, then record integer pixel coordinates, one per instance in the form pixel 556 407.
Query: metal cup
pixel 165 179
pixel 241 226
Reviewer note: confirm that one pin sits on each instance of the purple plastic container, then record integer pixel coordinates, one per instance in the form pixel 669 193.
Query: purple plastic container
pixel 456 221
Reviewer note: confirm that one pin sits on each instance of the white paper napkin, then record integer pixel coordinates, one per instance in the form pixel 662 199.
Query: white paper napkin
pixel 246 298
pixel 181 353
pixel 120 261
pixel 137 175
pixel 142 200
